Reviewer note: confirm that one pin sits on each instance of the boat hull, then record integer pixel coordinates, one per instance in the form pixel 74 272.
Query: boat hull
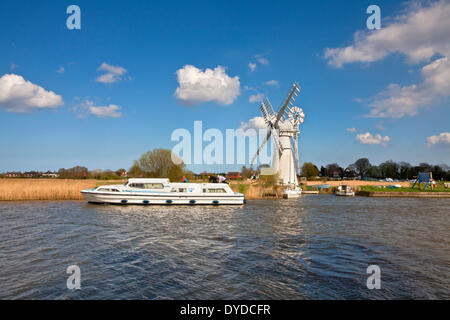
pixel 162 199
pixel 345 194
pixel 292 194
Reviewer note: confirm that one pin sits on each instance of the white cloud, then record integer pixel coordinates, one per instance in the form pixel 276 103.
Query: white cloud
pixel 110 111
pixel 112 73
pixel 13 66
pixel 368 138
pixel 421 34
pixel 60 69
pixel 252 66
pixel 197 86
pixel 19 95
pixel 443 138
pixel 263 61
pixel 397 101
pixel 253 126
pixel 351 129
pixel 256 98
pixel 272 83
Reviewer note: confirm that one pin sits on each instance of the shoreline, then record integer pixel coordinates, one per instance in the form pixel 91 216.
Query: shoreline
pixel 69 189
pixel 425 194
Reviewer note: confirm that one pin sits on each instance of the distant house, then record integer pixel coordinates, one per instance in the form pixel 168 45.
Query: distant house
pixel 13 174
pixel 50 174
pixel 350 174
pixel 336 174
pixel 122 173
pixel 233 175
pixel 32 174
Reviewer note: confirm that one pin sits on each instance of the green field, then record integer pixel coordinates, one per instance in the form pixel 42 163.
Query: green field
pixel 440 188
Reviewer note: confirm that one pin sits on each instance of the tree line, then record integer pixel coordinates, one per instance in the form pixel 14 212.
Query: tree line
pixel 157 163
pixel 364 169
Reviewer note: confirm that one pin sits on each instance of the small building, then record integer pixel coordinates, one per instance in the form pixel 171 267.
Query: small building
pixel 50 174
pixel 32 174
pixel 350 174
pixel 233 175
pixel 13 174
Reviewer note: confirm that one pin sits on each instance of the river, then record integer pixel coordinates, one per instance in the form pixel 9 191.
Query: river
pixel 315 247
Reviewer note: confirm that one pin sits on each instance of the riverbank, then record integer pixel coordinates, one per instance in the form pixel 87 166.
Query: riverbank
pixel 376 191
pixel 69 189
pixel 404 194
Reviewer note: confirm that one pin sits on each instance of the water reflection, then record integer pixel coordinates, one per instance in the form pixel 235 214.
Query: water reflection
pixel 314 247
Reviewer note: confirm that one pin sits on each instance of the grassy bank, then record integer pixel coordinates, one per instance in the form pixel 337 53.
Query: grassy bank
pixel 46 189
pixel 439 188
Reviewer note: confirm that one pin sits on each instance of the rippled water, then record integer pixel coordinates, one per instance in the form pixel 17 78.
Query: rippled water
pixel 316 247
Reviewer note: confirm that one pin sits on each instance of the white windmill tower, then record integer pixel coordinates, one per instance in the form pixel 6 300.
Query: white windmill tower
pixel 284 128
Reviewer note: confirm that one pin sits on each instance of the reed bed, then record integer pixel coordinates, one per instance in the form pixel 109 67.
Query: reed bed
pixel 46 189
pixel 258 191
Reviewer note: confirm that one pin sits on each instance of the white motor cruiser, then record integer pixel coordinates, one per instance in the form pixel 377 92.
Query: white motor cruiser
pixel 344 190
pixel 161 191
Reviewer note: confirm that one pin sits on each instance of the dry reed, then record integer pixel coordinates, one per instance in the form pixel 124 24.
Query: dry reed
pixel 46 189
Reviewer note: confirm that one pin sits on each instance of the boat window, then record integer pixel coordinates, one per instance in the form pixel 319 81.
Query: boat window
pixel 182 190
pixel 153 186
pixel 216 190
pixel 107 190
pixel 204 190
pixel 137 185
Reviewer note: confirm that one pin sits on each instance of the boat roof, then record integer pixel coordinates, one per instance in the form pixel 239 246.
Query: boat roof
pixel 148 180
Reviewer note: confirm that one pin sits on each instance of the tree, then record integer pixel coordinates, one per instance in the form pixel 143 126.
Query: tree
pixel 374 172
pixel 309 170
pixel 136 171
pixel 334 170
pixel 158 164
pixel 361 166
pixel 390 169
pixel 405 170
pixel 247 173
pixel 323 171
pixel 74 173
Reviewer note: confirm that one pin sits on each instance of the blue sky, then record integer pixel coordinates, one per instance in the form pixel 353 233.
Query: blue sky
pixel 142 44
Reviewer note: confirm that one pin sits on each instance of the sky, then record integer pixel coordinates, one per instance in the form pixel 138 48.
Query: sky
pixel 102 95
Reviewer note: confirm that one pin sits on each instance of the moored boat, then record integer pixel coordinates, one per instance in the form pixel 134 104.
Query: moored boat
pixel 162 191
pixel 344 190
pixel 292 193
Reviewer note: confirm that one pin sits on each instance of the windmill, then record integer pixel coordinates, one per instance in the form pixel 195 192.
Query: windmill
pixel 284 129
